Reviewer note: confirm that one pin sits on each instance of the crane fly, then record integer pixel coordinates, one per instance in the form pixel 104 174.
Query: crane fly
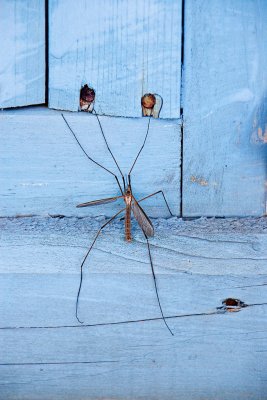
pixel 131 206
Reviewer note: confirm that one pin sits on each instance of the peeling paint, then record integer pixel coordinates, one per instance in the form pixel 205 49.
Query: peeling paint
pixel 262 135
pixel 200 181
pixel 33 184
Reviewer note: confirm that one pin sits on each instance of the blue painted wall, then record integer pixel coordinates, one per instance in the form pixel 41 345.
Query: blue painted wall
pixel 225 108
pixel 125 49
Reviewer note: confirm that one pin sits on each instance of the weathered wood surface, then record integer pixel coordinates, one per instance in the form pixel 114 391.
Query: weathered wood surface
pixel 122 49
pixel 22 53
pixel 43 170
pixel 212 355
pixel 224 103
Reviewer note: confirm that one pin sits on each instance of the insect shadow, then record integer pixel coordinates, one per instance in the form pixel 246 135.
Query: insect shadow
pixel 131 205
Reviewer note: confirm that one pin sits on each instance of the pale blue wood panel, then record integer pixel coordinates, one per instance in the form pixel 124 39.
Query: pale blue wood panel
pixel 40 267
pixel 22 53
pixel 122 49
pixel 211 356
pixel 45 171
pixel 225 108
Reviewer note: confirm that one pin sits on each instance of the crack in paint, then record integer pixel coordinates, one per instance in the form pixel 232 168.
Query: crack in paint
pixel 217 312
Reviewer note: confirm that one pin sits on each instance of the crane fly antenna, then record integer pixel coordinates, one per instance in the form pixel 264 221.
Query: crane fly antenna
pixel 91 159
pixel 148 125
pixel 109 149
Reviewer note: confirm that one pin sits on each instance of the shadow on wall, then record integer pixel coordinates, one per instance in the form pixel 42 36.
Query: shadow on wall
pixel 259 135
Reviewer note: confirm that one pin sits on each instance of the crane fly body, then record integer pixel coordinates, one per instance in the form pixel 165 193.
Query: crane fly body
pixel 131 206
pixel 127 197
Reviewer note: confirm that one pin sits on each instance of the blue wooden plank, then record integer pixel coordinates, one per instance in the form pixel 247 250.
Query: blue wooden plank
pixel 225 103
pixel 22 53
pixel 195 269
pixel 53 175
pixel 122 49
pixel 210 357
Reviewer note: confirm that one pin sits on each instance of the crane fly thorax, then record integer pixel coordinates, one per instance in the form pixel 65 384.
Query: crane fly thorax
pixel 128 197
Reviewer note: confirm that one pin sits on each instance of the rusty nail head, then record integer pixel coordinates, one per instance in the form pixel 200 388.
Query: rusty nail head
pixel 148 100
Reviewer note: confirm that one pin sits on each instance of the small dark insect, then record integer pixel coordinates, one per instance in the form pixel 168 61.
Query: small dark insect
pixel 87 98
pixel 131 205
pixel 232 305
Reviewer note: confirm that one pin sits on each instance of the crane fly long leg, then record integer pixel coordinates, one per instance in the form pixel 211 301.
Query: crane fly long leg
pixel 155 284
pixel 153 194
pixel 148 230
pixel 85 257
pixel 98 202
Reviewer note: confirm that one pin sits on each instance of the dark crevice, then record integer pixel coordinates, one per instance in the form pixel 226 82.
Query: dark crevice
pixel 182 33
pixel 181 169
pixel 216 312
pixel 46 51
pixel 58 363
pixel 22 107
pixel 181 105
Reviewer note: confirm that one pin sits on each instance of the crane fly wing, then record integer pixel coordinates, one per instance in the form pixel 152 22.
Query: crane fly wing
pixel 142 219
pixel 98 202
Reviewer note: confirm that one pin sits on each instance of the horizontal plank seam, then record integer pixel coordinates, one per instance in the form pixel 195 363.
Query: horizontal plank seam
pixel 205 257
pixel 216 312
pixel 154 245
pixel 59 363
pixel 238 287
pixel 120 236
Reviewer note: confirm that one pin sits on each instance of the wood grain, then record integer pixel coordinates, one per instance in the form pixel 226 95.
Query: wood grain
pixel 122 49
pixel 45 172
pixel 45 354
pixel 224 103
pixel 22 53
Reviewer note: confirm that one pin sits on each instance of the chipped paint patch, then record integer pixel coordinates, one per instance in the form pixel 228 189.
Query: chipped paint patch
pixel 34 184
pixel 262 135
pixel 200 181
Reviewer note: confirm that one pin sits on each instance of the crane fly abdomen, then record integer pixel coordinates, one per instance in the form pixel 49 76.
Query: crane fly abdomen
pixel 128 234
pixel 128 202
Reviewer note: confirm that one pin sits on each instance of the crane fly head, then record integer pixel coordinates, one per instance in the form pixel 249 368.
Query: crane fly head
pixel 128 191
